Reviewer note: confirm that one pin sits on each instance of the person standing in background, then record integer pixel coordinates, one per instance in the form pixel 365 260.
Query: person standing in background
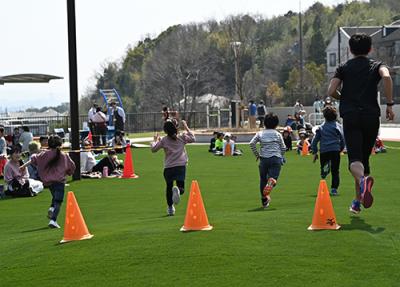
pixel 119 117
pixel 91 113
pixel 25 138
pixel 252 114
pixel 261 112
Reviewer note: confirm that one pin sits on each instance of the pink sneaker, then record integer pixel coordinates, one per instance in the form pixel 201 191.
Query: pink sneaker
pixel 366 183
pixel 268 188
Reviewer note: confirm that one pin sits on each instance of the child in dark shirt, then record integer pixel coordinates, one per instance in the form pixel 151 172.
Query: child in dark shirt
pixel 287 138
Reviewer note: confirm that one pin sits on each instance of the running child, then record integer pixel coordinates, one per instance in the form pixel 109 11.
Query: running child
pixel 331 143
pixel 175 160
pixel 53 167
pixel 272 149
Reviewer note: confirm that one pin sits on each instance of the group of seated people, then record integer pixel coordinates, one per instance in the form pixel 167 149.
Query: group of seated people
pixel 19 182
pixel 108 166
pixel 27 183
pixel 93 168
pixel 224 145
pixel 305 138
pixel 297 122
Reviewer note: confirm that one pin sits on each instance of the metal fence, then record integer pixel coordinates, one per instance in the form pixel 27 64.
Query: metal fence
pixel 135 122
pixel 153 121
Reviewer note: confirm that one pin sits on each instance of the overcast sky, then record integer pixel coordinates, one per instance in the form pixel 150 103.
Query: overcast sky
pixel 33 36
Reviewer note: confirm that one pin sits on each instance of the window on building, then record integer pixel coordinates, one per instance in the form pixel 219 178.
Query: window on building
pixel 332 59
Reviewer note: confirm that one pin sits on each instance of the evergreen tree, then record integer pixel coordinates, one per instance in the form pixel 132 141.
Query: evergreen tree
pixel 317 45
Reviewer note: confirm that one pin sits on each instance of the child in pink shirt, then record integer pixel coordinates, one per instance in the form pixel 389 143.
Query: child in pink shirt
pixel 53 167
pixel 175 160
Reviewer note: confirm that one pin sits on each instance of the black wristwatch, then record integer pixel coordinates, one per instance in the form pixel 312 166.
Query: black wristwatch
pixel 390 104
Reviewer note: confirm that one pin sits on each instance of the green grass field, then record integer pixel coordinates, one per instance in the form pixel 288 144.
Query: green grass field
pixel 135 244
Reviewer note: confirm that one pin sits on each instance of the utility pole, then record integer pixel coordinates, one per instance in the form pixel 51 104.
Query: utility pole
pixel 73 89
pixel 339 44
pixel 301 66
pixel 238 94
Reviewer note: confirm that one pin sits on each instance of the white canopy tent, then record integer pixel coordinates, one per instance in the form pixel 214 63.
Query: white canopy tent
pixel 27 78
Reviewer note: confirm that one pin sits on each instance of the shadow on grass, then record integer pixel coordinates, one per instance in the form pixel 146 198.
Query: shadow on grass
pixel 358 223
pixel 261 209
pixel 36 229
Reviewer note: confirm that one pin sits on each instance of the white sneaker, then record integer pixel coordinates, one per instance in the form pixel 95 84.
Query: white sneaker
pixel 171 210
pixel 53 224
pixel 50 212
pixel 176 195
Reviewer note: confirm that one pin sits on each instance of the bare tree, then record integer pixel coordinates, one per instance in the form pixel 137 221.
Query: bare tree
pixel 182 67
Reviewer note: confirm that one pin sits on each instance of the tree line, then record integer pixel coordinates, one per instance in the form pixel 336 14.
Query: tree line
pixel 187 61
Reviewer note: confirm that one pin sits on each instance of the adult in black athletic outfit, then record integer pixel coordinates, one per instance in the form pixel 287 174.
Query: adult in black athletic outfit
pixel 359 108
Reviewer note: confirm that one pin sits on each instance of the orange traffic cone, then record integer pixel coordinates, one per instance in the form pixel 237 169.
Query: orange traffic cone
pixel 129 171
pixel 304 150
pixel 196 216
pixel 75 227
pixel 324 215
pixel 228 150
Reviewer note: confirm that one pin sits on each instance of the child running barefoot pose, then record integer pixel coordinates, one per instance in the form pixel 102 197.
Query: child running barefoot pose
pixel 331 143
pixel 175 160
pixel 271 156
pixel 53 167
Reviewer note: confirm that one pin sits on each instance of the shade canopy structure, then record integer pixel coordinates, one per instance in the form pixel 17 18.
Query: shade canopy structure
pixel 28 78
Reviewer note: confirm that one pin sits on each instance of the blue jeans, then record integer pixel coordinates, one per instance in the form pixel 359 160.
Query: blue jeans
pixel 269 167
pixel 57 191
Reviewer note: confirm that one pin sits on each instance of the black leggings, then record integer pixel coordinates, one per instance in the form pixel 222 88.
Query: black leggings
pixel 333 159
pixel 176 173
pixel 170 184
pixel 360 132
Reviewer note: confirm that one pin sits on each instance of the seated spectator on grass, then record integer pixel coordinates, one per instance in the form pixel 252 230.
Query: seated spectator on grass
pixel 3 151
pixel 9 141
pixel 25 138
pixel 287 138
pixel 299 118
pixel 212 142
pixel 44 142
pixel 33 148
pixel 17 180
pixel 118 142
pixel 88 161
pixel 111 162
pixel 303 140
pixel 236 151
pixel 15 137
pixel 291 122
pixel 228 145
pixel 219 142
